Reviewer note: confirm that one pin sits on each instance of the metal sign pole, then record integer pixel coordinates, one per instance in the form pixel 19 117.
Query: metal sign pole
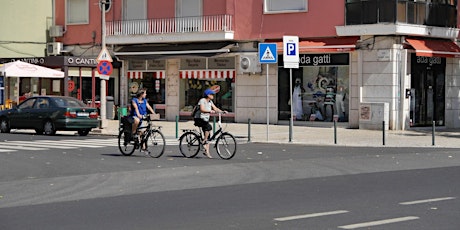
pixel 103 83
pixel 268 106
pixel 291 119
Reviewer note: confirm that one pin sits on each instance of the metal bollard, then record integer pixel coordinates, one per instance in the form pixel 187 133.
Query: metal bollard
pixel 433 130
pixel 213 125
pixel 335 132
pixel 290 130
pixel 177 126
pixel 383 132
pixel 249 130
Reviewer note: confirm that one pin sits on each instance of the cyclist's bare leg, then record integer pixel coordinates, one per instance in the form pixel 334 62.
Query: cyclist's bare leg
pixel 135 125
pixel 206 145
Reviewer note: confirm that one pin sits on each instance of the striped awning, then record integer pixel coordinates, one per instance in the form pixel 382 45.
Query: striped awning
pixel 134 74
pixel 159 74
pixel 207 74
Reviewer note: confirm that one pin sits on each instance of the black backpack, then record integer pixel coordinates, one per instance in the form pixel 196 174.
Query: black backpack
pixel 196 108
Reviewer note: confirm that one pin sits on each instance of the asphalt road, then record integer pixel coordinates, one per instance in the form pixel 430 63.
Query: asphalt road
pixel 266 186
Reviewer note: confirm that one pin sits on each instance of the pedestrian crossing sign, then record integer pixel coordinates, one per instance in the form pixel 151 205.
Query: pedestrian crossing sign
pixel 268 53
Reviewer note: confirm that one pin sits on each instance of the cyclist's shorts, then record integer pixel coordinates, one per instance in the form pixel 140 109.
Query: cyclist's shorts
pixel 203 124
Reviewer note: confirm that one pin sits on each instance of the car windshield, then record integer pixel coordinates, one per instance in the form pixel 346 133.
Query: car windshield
pixel 68 102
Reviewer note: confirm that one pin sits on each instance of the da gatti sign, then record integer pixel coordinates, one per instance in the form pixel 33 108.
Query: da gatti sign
pixel 324 59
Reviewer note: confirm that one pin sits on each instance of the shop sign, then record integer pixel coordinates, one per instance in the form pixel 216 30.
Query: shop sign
pixel 324 59
pixel 429 60
pixel 156 64
pixel 137 65
pixel 81 61
pixel 221 63
pixel 193 63
pixel 35 61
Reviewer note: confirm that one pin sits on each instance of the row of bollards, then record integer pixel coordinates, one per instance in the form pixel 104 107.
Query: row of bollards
pixel 433 131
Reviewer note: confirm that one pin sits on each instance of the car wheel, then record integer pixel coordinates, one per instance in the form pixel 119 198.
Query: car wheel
pixel 4 125
pixel 83 132
pixel 48 128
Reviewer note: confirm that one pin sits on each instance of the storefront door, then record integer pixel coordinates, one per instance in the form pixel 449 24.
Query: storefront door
pixel 427 91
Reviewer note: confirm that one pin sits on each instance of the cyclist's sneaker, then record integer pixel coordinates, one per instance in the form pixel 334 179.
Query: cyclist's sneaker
pixel 145 152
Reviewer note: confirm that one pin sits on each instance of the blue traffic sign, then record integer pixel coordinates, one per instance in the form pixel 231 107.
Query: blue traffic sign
pixel 268 53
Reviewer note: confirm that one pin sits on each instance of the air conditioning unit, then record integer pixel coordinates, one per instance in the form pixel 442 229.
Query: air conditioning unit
pixel 249 63
pixel 56 31
pixel 54 48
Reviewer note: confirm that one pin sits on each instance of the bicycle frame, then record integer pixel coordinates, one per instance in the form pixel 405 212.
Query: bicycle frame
pixel 216 133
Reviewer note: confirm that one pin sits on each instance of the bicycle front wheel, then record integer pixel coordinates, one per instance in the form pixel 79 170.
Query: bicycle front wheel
pixel 189 144
pixel 226 146
pixel 156 143
pixel 125 144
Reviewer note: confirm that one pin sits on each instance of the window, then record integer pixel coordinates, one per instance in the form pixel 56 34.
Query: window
pixel 77 11
pixel 285 6
pixel 441 13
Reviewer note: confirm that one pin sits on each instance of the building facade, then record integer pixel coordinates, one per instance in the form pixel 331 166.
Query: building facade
pixel 365 62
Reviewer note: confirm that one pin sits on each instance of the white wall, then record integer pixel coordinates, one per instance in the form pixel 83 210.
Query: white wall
pixel 251 99
pixel 24 23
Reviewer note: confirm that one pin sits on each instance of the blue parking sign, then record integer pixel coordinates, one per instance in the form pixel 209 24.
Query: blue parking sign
pixel 290 47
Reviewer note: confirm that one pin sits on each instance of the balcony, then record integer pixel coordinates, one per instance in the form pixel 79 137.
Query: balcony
pixel 170 30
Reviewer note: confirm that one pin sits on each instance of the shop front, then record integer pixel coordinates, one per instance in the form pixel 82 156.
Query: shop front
pixel 320 90
pixel 81 80
pixel 198 74
pixel 431 101
pixel 150 75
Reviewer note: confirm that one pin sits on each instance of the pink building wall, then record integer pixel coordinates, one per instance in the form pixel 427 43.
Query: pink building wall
pixel 249 21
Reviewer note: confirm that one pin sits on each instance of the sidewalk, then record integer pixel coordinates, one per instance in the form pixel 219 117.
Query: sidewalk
pixel 315 134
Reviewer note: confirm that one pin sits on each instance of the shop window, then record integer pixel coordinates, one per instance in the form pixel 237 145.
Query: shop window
pixel 154 82
pixel 194 89
pixel 319 93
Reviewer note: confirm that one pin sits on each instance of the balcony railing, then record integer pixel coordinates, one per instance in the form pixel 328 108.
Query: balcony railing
pixel 215 23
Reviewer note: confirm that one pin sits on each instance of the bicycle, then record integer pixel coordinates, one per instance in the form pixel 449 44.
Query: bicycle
pixel 151 138
pixel 192 141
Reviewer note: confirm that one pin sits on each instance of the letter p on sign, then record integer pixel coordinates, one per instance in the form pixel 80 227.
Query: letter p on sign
pixel 290 49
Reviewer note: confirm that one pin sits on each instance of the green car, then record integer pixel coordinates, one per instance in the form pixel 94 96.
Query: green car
pixel 47 114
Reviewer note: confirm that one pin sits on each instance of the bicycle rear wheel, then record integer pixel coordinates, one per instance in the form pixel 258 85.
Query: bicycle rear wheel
pixel 125 144
pixel 226 146
pixel 156 143
pixel 189 144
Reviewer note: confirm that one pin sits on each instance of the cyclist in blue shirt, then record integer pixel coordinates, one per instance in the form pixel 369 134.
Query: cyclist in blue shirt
pixel 139 107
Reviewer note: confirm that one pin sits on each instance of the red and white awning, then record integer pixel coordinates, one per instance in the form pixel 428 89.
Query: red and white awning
pixel 134 74
pixel 159 74
pixel 207 74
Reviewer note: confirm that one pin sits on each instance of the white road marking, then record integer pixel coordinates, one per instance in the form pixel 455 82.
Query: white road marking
pixel 287 218
pixel 34 144
pixel 426 201
pixel 7 150
pixel 16 147
pixel 379 222
pixel 55 144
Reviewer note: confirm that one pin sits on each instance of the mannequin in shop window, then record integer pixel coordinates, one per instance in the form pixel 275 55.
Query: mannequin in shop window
pixel 340 98
pixel 297 99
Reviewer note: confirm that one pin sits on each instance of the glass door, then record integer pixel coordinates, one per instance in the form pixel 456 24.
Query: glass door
pixel 428 93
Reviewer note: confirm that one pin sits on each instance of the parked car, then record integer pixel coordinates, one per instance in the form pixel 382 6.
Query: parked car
pixel 47 114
